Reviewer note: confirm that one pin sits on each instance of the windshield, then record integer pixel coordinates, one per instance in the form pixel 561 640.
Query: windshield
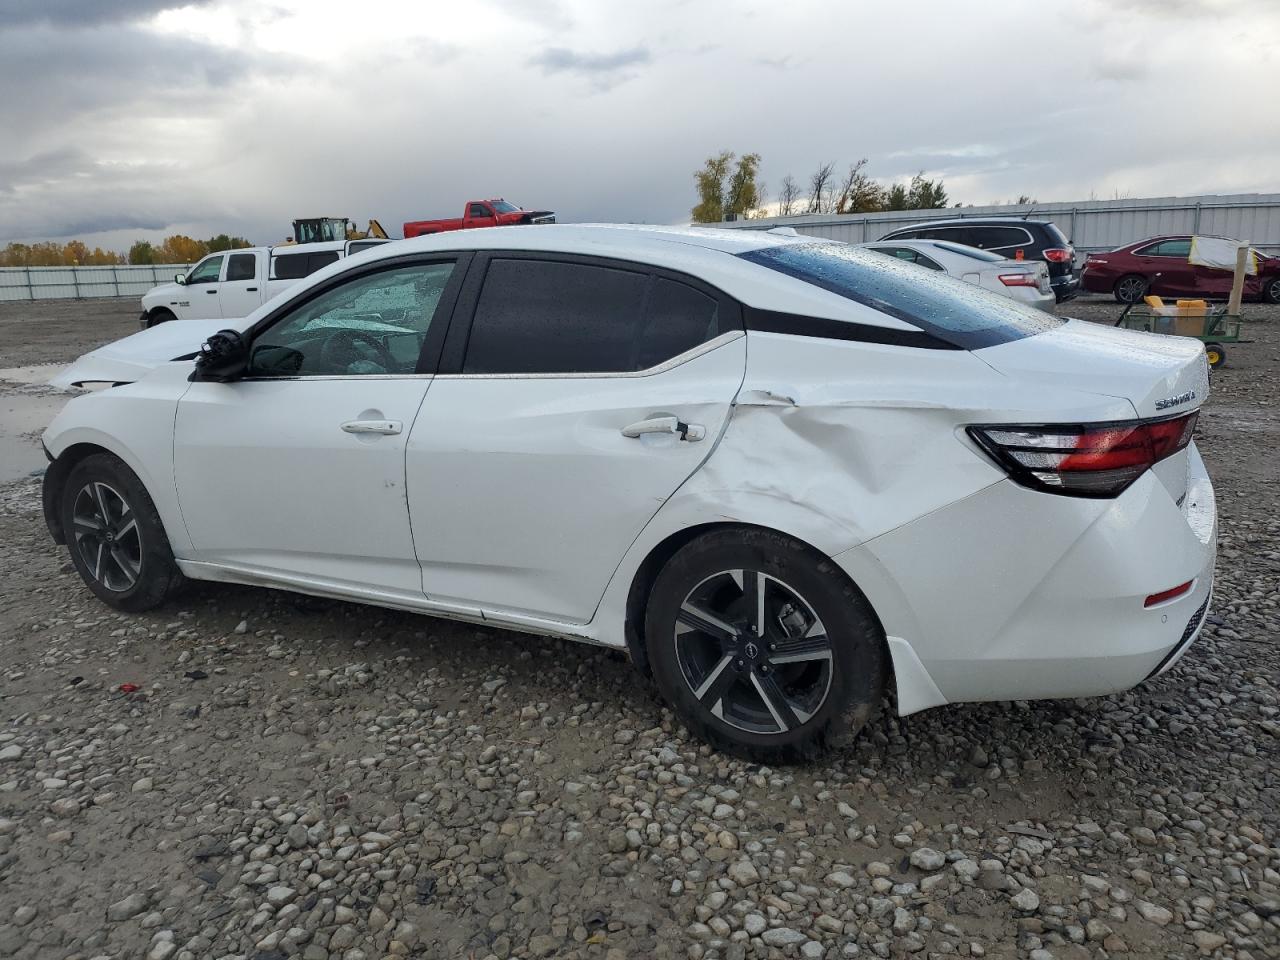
pixel 960 313
pixel 984 255
pixel 503 207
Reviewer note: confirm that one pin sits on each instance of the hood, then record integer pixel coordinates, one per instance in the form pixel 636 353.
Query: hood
pixel 125 361
pixel 166 292
pixel 1160 375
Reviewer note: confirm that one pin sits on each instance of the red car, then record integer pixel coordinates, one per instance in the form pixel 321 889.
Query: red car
pixel 480 213
pixel 1159 265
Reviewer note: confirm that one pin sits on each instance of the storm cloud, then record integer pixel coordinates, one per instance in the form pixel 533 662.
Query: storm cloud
pixel 131 119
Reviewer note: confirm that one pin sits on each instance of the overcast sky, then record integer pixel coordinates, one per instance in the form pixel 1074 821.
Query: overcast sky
pixel 122 119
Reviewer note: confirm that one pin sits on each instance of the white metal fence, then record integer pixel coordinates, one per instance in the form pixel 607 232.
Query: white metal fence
pixel 61 283
pixel 1092 225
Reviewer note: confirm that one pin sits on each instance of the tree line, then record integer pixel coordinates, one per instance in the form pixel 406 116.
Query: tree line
pixel 177 248
pixel 729 184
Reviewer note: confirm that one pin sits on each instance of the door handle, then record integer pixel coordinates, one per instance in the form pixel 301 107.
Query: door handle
pixel 251 289
pixel 211 291
pixel 686 431
pixel 383 427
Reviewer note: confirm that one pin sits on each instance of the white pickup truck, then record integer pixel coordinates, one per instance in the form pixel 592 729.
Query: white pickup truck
pixel 234 283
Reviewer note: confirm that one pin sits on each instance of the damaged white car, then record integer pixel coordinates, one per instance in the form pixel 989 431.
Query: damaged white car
pixel 783 474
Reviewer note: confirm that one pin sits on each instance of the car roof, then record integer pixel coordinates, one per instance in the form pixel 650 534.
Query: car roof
pixel 708 254
pixel 975 222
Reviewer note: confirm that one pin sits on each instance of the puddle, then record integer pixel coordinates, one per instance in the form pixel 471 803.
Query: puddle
pixel 23 416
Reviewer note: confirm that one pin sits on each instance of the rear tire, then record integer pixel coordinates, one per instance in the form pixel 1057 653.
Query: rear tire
pixel 1271 289
pixel 1215 354
pixel 1131 288
pixel 118 544
pixel 158 316
pixel 807 679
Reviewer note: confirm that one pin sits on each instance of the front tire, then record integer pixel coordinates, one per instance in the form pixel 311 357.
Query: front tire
pixel 763 647
pixel 117 541
pixel 1131 288
pixel 158 316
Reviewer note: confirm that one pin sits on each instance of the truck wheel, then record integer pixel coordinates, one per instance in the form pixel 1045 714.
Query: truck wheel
pixel 763 647
pixel 158 316
pixel 1131 288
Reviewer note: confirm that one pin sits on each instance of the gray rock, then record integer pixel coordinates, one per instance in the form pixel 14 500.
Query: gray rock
pixel 127 908
pixel 782 937
pixel 1026 900
pixel 926 858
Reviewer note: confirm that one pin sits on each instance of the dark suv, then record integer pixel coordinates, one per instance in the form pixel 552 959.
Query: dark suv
pixel 1011 237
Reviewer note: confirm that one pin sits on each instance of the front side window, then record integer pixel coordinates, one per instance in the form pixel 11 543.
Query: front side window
pixel 961 314
pixel 551 317
pixel 206 271
pixel 242 266
pixel 480 210
pixel 372 325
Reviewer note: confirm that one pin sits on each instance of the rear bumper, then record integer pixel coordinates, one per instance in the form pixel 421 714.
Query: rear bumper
pixel 1012 594
pixel 1066 286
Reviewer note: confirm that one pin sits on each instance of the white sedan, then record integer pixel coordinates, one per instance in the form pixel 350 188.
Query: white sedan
pixel 780 473
pixel 1025 280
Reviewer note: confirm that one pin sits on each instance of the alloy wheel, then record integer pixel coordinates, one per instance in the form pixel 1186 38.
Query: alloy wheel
pixel 753 651
pixel 107 537
pixel 1131 289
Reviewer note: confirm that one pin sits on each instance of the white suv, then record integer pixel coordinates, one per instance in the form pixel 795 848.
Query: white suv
pixel 781 473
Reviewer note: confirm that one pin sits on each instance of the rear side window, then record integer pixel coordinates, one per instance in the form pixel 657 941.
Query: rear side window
pixel 961 314
pixel 295 266
pixel 1168 248
pixel 547 316
pixel 972 253
pixel 242 266
pixel 995 238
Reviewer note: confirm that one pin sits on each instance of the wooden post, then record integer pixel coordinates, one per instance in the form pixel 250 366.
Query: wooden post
pixel 1237 284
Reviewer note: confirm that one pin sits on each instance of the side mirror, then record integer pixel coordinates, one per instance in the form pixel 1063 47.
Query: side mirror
pixel 180 279
pixel 222 358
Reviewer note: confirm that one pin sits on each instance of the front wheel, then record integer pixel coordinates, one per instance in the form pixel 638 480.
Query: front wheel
pixel 1131 288
pixel 158 316
pixel 1215 354
pixel 116 538
pixel 763 647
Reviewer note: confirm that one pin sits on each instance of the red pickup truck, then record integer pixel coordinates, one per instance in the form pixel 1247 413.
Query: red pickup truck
pixel 480 213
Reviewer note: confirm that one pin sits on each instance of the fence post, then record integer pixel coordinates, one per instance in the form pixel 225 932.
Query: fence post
pixel 115 278
pixel 31 291
pixel 75 281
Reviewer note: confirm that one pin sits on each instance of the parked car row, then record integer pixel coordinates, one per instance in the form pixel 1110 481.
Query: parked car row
pixel 1025 280
pixel 782 473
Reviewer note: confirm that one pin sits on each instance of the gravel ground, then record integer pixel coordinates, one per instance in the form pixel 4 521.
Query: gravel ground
pixel 291 777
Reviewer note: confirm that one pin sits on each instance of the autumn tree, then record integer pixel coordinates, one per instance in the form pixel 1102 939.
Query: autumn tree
pixel 858 193
pixel 725 188
pixel 788 196
pixel 180 248
pixel 925 194
pixel 142 253
pixel 820 184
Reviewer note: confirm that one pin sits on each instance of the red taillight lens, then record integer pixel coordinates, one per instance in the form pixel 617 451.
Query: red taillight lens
pixel 1058 254
pixel 1018 279
pixel 1085 460
pixel 1169 594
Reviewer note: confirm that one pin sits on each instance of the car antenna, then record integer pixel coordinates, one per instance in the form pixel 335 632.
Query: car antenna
pixel 1027 215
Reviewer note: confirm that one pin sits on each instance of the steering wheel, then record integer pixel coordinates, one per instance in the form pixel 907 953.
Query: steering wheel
pixel 346 347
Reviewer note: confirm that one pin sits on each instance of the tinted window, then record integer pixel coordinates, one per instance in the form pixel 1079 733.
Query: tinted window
pixel 1056 236
pixel 971 252
pixel 374 324
pixel 960 313
pixel 242 266
pixel 480 210
pixel 295 266
pixel 924 261
pixel 954 234
pixel 544 316
pixel 676 318
pixel 987 238
pixel 206 271
pixel 290 267
pixel 355 246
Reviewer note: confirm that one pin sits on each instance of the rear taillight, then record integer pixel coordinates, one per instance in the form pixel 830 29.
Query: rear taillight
pixel 1084 460
pixel 1058 254
pixel 1019 279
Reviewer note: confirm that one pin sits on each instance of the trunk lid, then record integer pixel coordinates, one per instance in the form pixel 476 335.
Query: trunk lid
pixel 1160 376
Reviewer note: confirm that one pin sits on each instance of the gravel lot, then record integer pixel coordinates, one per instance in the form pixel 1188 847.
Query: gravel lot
pixel 294 777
